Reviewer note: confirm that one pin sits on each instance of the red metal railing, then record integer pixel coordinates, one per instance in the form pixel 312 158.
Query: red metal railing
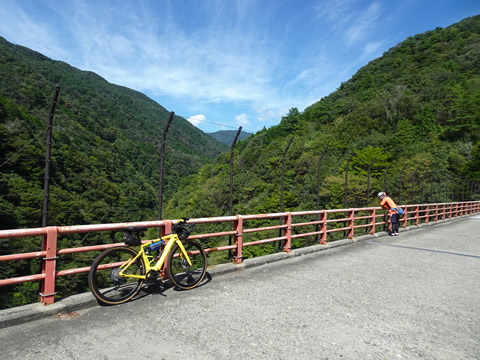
pixel 328 221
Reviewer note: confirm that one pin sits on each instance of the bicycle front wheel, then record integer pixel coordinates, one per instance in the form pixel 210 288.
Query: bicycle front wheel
pixel 179 270
pixel 104 277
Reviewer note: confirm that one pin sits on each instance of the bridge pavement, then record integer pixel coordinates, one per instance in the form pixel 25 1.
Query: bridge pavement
pixel 408 297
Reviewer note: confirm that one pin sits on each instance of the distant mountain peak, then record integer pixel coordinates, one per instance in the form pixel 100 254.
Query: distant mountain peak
pixel 227 136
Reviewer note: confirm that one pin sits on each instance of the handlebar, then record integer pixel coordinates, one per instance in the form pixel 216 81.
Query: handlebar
pixel 182 229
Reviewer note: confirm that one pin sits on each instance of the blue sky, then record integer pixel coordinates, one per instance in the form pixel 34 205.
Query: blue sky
pixel 224 63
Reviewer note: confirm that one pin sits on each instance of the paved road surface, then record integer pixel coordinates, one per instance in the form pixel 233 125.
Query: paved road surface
pixel 415 296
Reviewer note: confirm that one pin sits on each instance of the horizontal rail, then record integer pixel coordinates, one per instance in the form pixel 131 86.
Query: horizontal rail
pixel 349 220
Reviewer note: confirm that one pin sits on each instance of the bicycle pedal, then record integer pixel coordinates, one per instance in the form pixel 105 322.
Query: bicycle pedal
pixel 153 275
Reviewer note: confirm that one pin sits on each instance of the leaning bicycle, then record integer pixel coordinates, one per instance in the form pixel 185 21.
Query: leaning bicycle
pixel 118 273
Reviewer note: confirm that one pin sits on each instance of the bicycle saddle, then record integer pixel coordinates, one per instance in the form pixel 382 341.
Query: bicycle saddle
pixel 135 229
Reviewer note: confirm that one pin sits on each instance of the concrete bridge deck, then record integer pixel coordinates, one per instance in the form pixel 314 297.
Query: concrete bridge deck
pixel 408 297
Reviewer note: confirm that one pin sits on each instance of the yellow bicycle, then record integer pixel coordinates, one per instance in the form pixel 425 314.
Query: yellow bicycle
pixel 118 273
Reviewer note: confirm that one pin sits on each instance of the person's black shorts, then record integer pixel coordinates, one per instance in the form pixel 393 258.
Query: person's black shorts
pixel 395 218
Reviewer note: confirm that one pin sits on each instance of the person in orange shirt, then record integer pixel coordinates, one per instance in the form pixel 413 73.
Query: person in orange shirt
pixel 394 213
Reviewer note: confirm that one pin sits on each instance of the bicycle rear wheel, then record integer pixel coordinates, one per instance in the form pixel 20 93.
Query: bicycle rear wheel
pixel 179 270
pixel 105 281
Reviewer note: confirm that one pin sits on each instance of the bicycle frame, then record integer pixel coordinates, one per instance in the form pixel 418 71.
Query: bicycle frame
pixel 170 240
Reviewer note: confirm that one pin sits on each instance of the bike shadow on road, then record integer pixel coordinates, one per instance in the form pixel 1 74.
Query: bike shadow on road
pixel 159 287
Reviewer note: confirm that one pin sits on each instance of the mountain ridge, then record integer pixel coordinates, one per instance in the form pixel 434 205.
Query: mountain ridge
pixel 93 119
pixel 417 107
pixel 226 137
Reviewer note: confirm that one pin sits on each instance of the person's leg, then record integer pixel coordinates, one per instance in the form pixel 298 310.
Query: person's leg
pixel 390 225
pixel 395 221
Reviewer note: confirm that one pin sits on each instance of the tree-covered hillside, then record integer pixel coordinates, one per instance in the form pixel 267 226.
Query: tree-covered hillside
pixel 105 159
pixel 105 150
pixel 415 111
pixel 416 108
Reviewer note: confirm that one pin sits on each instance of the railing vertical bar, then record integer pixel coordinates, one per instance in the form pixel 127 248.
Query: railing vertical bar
pixel 166 229
pixel 372 221
pixel 288 233
pixel 323 240
pixel 351 231
pixel 237 254
pixel 47 294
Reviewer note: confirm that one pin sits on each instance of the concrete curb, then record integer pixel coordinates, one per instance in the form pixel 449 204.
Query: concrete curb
pixel 26 313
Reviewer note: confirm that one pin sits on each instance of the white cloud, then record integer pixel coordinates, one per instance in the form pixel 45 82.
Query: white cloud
pixel 146 47
pixel 373 47
pixel 350 18
pixel 18 27
pixel 363 23
pixel 335 11
pixel 153 53
pixel 195 120
pixel 242 119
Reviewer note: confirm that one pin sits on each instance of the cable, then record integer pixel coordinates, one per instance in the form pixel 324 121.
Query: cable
pixel 26 159
pixel 19 151
pixel 209 122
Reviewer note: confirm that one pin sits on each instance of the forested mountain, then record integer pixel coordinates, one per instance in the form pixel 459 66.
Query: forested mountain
pixel 105 159
pixel 414 111
pixel 105 148
pixel 416 108
pixel 227 136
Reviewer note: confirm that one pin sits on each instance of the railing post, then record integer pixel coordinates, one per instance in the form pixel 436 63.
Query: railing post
pixel 47 288
pixel 237 253
pixel 372 221
pixel 282 186
pixel 232 148
pixel 400 184
pixel 436 213
pixel 444 211
pixel 427 214
pixel 351 231
pixel 48 146
pixel 318 186
pixel 288 233
pixel 162 165
pixel 417 214
pixel 405 217
pixel 385 177
pixel 346 187
pixel 323 240
pixel 166 229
